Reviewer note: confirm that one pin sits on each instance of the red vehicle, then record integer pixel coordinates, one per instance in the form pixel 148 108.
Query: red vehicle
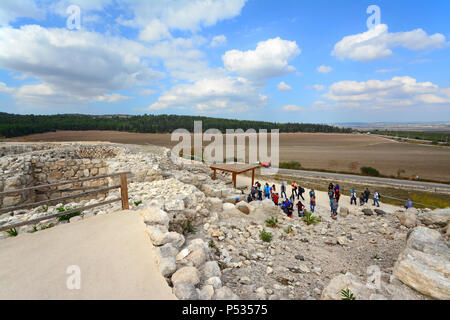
pixel 265 164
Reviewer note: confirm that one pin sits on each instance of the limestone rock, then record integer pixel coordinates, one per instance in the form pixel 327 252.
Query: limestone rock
pixel 211 269
pixel 206 293
pixel 367 212
pixel 343 212
pixel 225 293
pixel 185 291
pixel 424 264
pixel 215 282
pixel 186 275
pixel 407 218
pixel 343 282
pixel 436 218
pixel 154 215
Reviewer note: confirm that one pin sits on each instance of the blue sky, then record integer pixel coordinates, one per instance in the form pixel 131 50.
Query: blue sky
pixel 302 61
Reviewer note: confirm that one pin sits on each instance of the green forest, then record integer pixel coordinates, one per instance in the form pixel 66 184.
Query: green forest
pixel 14 125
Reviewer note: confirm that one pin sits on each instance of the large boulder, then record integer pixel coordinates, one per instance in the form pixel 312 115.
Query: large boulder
pixel 424 264
pixel 407 218
pixel 186 275
pixel 211 269
pixel 243 207
pixel 154 215
pixel 435 218
pixel 185 291
pixel 214 204
pixel 343 282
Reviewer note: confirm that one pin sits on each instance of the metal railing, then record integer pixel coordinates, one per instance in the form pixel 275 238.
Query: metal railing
pixel 123 198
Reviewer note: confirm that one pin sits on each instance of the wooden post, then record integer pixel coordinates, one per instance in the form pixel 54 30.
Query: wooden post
pixel 253 177
pixel 124 191
pixel 234 179
pixel 214 174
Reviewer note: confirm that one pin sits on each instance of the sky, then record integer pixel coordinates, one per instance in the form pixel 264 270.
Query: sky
pixel 286 61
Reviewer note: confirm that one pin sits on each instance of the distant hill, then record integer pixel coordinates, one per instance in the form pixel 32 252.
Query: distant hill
pixel 14 125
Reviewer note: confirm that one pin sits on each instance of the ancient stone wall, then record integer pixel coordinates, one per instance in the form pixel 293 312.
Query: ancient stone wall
pixel 23 166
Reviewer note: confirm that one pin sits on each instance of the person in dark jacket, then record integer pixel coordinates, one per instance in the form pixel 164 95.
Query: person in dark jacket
pixel 300 192
pixel 366 195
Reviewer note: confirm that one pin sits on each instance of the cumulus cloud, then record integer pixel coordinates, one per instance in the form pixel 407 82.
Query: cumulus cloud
pixel 83 66
pixel 282 86
pixel 376 43
pixel 270 59
pixel 213 95
pixel 218 41
pixel 324 69
pixel 185 15
pixel 397 92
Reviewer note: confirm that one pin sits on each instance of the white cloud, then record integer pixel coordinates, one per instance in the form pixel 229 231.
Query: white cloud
pixel 283 86
pixel 218 41
pixel 185 15
pixel 154 31
pixel 84 66
pixel 213 95
pixel 270 59
pixel 10 10
pixel 319 87
pixel 324 69
pixel 292 108
pixel 376 43
pixel 397 92
pixel 5 89
pixel 387 70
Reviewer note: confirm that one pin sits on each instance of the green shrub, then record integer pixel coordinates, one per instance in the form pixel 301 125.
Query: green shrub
pixel 51 225
pixel 189 228
pixel 265 236
pixel 12 232
pixel 272 222
pixel 289 230
pixel 293 165
pixel 136 203
pixel 310 219
pixel 369 171
pixel 347 295
pixel 67 217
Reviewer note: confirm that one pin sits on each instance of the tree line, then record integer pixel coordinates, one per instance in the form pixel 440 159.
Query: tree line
pixel 14 125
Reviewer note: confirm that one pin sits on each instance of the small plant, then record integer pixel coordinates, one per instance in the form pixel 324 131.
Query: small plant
pixel 51 225
pixel 34 229
pixel 272 222
pixel 136 203
pixel 265 236
pixel 44 208
pixel 310 219
pixel 293 165
pixel 347 295
pixel 189 228
pixel 212 244
pixel 289 230
pixel 12 232
pixel 67 217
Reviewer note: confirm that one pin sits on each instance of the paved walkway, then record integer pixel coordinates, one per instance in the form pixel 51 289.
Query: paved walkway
pixel 113 253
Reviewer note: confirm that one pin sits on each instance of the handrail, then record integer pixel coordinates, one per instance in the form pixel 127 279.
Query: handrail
pixel 123 198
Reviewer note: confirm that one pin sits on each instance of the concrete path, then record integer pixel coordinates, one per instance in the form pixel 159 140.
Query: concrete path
pixel 112 251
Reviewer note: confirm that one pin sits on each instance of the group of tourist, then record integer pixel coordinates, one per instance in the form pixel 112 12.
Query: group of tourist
pixel 258 192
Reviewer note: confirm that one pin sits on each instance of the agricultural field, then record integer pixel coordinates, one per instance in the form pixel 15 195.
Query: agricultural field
pixel 324 151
